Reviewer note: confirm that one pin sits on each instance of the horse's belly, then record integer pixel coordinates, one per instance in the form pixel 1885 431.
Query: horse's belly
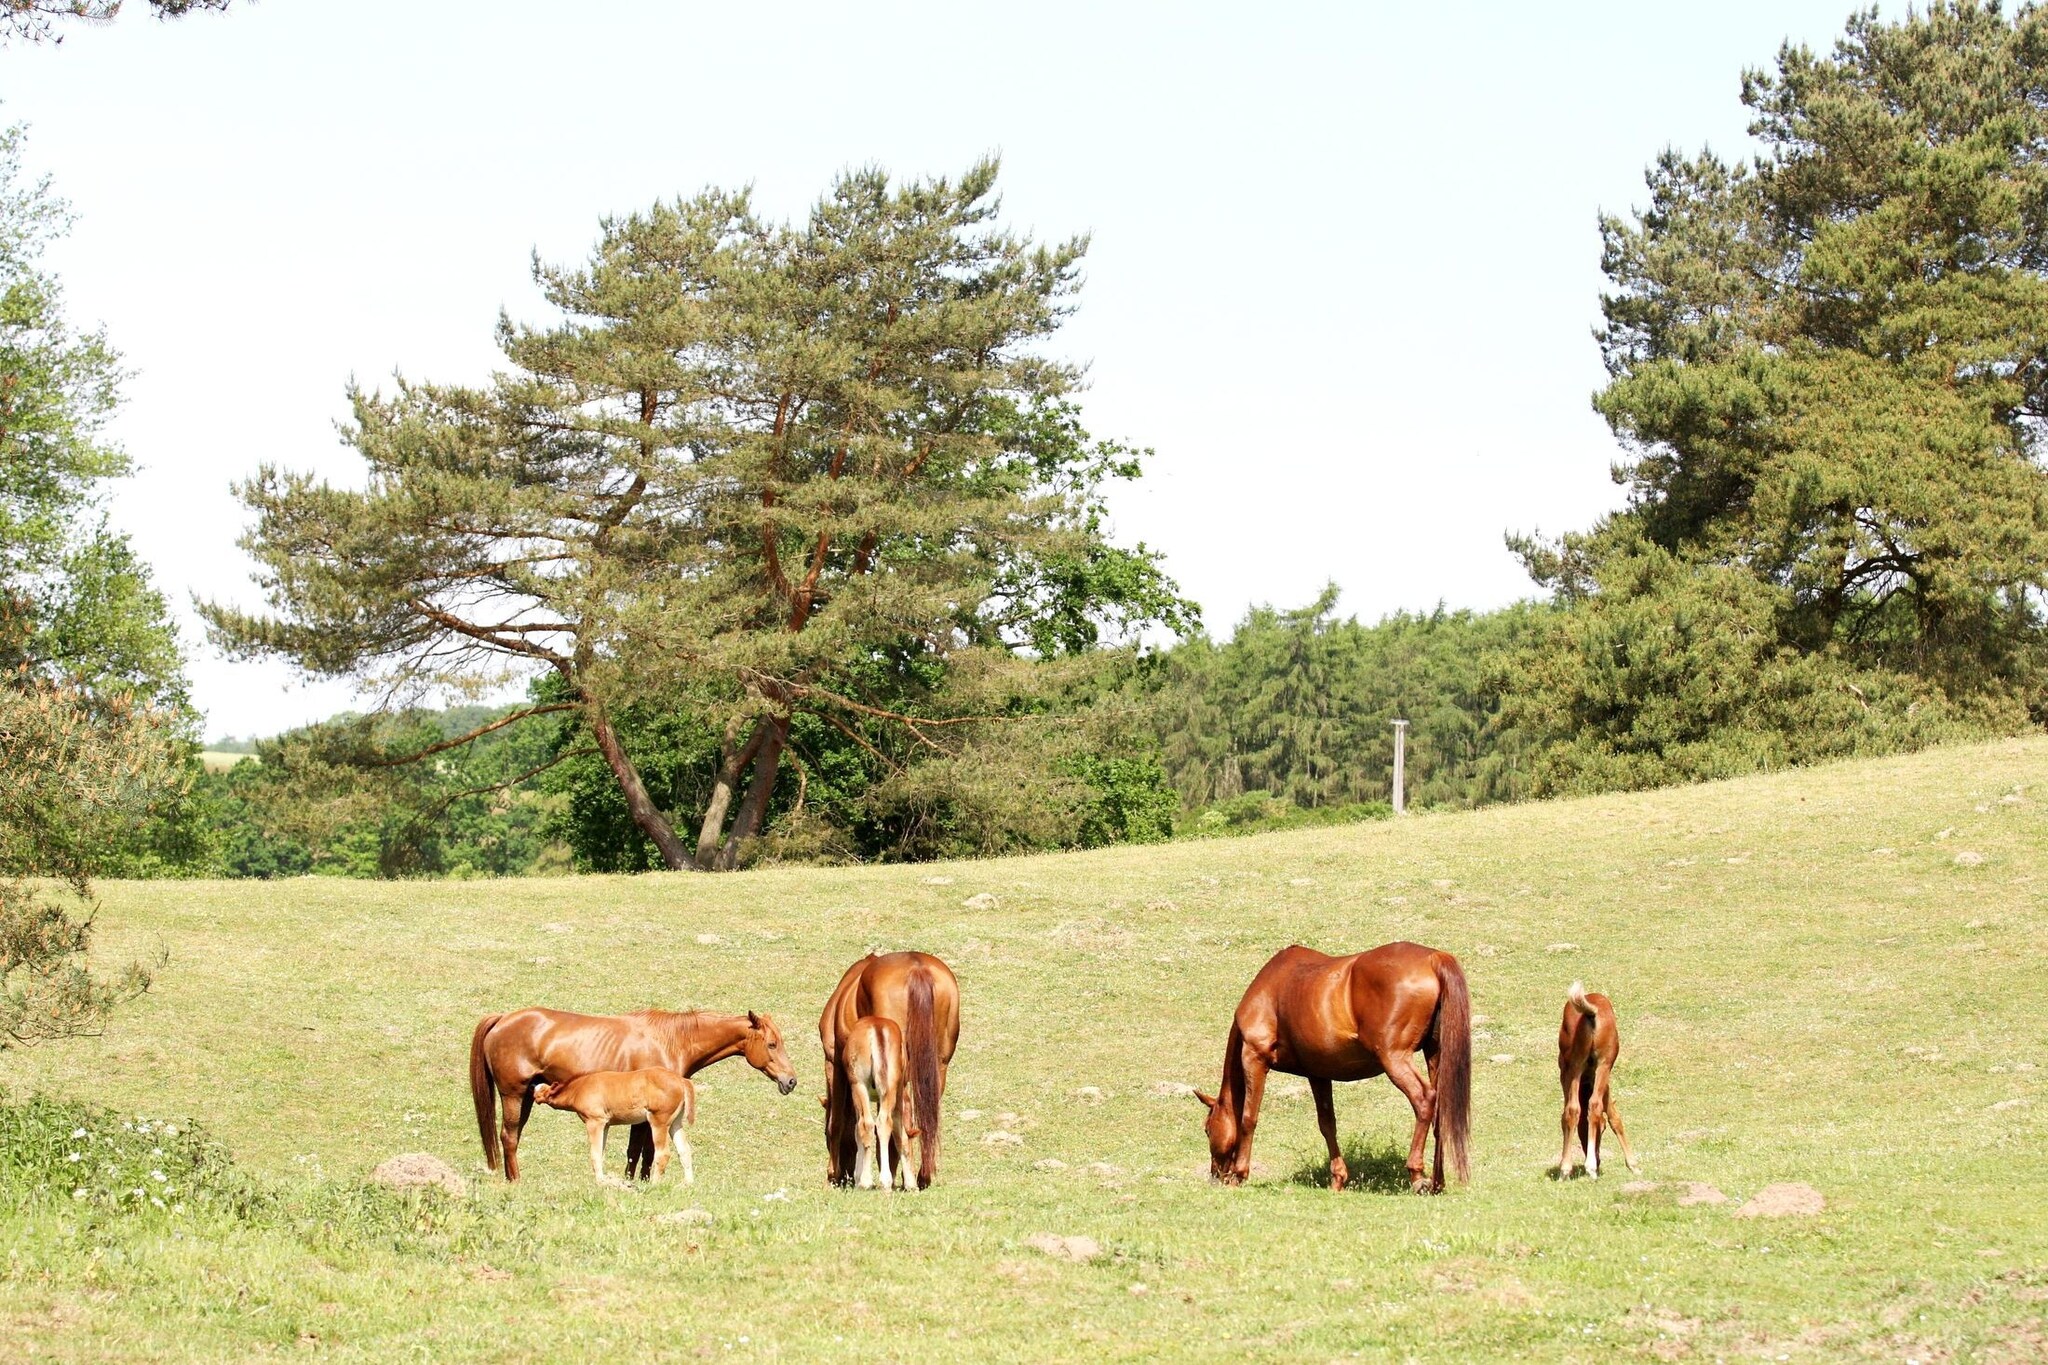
pixel 1329 1064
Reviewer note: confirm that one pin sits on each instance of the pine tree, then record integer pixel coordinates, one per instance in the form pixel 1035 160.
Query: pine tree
pixel 755 468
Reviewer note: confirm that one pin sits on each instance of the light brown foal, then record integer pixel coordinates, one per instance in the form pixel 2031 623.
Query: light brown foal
pixel 1587 1044
pixel 653 1095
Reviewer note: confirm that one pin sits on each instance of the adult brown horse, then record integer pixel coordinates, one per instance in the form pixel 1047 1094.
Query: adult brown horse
pixel 918 992
pixel 509 1054
pixel 1347 1019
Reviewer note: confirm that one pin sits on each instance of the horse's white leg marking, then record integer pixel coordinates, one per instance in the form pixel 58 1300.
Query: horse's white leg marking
pixel 681 1142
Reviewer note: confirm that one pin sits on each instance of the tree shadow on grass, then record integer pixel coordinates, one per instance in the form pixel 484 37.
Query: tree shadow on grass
pixel 1376 1166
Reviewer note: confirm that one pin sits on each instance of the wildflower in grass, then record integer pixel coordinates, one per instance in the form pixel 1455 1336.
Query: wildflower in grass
pixel 74 1156
pixel 78 1193
pixel 77 1133
pixel 158 1176
pixel 156 1201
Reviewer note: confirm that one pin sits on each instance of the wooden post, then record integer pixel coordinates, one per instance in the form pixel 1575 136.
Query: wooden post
pixel 1400 766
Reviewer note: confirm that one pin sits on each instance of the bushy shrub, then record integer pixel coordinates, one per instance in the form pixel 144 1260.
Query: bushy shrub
pixel 65 1150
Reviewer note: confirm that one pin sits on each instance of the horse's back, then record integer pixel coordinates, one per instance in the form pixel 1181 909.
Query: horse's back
pixel 879 985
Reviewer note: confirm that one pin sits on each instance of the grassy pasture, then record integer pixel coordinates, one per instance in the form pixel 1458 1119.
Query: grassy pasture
pixel 1814 982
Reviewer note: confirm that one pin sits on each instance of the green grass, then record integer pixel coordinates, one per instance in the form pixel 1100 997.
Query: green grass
pixel 1795 1005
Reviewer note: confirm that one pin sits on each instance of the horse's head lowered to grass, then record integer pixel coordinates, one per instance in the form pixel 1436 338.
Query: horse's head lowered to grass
pixel 764 1051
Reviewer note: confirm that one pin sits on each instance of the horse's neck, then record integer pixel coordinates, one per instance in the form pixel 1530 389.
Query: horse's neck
pixel 699 1038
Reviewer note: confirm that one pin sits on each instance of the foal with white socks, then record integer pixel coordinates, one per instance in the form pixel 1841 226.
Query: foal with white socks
pixel 871 1060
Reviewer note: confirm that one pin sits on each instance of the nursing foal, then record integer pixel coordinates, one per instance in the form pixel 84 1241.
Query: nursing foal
pixel 873 1069
pixel 654 1095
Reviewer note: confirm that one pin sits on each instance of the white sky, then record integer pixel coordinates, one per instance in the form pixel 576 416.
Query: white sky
pixel 1344 266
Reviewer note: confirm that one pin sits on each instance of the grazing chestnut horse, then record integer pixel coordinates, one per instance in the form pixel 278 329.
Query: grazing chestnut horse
pixel 653 1095
pixel 918 993
pixel 510 1053
pixel 1346 1019
pixel 872 1068
pixel 1587 1045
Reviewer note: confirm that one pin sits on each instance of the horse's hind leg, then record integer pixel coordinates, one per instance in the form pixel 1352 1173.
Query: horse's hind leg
pixel 1326 1119
pixel 1568 1120
pixel 864 1136
pixel 679 1142
pixel 1589 1135
pixel 660 1131
pixel 1614 1121
pixel 1400 1069
pixel 639 1151
pixel 516 1106
pixel 1598 1115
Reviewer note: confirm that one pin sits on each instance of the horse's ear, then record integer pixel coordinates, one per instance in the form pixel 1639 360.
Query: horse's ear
pixel 1208 1101
pixel 753 1019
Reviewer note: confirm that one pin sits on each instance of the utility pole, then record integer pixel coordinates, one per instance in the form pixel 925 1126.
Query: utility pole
pixel 1400 766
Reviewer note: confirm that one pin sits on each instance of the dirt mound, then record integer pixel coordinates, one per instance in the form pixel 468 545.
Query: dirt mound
pixel 419 1170
pixel 1787 1199
pixel 1060 1248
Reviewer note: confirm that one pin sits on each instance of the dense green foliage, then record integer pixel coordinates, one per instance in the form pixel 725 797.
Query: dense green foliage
pixel 1298 706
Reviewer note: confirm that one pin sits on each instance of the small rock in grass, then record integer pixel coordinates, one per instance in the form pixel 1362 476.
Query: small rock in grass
pixel 1166 906
pixel 1969 859
pixel 1441 883
pixel 1051 1163
pixel 970 1113
pixel 1700 1192
pixel 1080 1249
pixel 981 900
pixel 1103 1170
pixel 1138 1288
pixel 1089 1094
pixel 1560 947
pixel 1884 853
pixel 2016 1102
pixel 558 928
pixel 1485 949
pixel 1943 834
pixel 997 1137
pixel 1171 1090
pixel 1786 1199
pixel 685 1217
pixel 709 940
pixel 1503 1058
pixel 1639 1187
pixel 938 881
pixel 419 1170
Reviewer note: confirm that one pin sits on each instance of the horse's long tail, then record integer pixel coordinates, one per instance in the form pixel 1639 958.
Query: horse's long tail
pixel 1453 1078
pixel 483 1091
pixel 1576 998
pixel 922 1043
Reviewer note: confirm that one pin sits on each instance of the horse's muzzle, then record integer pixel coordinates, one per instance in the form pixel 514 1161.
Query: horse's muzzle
pixel 786 1084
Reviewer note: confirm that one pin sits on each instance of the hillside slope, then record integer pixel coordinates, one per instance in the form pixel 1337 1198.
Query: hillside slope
pixel 1833 976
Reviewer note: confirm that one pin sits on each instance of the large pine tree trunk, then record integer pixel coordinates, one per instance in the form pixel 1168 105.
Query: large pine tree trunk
pixel 733 761
pixel 645 813
pixel 772 733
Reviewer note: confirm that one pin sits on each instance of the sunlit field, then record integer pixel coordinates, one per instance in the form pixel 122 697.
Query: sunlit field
pixel 1836 976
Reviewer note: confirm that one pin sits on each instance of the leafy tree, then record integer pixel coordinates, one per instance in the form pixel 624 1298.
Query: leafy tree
pixel 1829 372
pixel 90 681
pixel 759 472
pixel 84 612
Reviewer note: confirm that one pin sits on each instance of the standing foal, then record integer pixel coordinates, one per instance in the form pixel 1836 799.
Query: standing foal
pixel 871 1063
pixel 1587 1044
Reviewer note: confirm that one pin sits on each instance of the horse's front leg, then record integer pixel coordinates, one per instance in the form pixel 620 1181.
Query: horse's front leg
pixel 516 1106
pixel 639 1151
pixel 1400 1069
pixel 1326 1119
pixel 595 1128
pixel 1255 1068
